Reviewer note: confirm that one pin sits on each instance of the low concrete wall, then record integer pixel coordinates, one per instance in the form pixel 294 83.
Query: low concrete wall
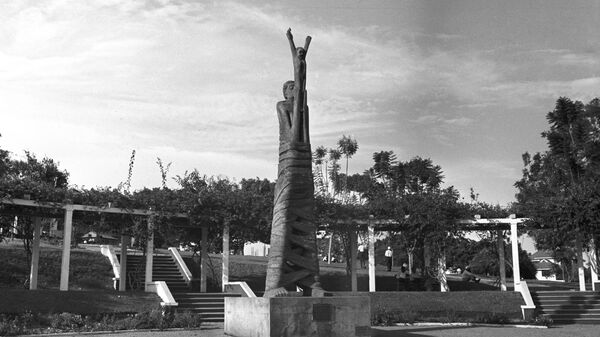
pixel 297 316
pixel 433 303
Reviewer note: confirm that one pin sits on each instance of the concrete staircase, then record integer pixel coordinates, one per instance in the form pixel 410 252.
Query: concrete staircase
pixel 211 306
pixel 164 268
pixel 568 307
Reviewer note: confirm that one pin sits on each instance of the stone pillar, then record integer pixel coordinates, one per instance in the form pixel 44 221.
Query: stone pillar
pixel 580 271
pixel 225 260
pixel 203 257
pixel 123 263
pixel 149 253
pixel 371 234
pixel 66 254
pixel 353 251
pixel 501 260
pixel 35 253
pixel 515 256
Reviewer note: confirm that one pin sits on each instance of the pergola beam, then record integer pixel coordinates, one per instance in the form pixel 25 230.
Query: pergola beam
pixel 89 208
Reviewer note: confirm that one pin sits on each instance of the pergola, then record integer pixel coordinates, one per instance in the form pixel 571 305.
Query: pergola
pixel 510 223
pixel 372 225
pixel 41 209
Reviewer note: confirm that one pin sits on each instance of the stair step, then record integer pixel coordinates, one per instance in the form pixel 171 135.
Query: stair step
pixel 570 311
pixel 569 307
pixel 195 304
pixel 212 294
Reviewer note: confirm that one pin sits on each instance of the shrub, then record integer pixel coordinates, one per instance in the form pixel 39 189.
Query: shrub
pixel 153 319
pixel 11 325
pixel 492 318
pixel 67 322
pixel 186 319
pixel 387 318
pixel 543 320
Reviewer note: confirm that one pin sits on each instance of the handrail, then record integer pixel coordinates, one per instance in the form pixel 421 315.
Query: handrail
pixel 183 268
pixel 241 288
pixel 529 307
pixel 109 251
pixel 162 290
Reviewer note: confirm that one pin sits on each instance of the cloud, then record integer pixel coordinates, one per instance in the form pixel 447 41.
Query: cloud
pixel 583 59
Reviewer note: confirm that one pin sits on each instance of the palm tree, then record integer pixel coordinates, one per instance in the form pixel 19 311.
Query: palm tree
pixel 334 170
pixel 348 147
pixel 320 160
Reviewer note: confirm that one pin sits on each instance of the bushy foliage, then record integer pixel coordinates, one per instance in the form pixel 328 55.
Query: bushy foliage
pixel 560 188
pixel 27 323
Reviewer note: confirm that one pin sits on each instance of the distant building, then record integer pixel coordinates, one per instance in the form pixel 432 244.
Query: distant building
pixel 256 249
pixel 545 265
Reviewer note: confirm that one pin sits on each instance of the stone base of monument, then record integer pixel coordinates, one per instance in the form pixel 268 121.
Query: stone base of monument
pixel 298 316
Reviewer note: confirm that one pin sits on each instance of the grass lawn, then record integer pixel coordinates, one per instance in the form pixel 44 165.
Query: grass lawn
pixel 89 270
pixel 253 269
pixel 81 302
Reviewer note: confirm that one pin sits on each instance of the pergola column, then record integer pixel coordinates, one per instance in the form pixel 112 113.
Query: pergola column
pixel 35 253
pixel 580 270
pixel 593 264
pixel 353 252
pixel 442 272
pixel 371 235
pixel 515 256
pixel 225 259
pixel 149 253
pixel 501 262
pixel 123 263
pixel 66 253
pixel 203 257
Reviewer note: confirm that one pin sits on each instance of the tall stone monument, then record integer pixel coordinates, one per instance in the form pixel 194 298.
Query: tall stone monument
pixel 293 258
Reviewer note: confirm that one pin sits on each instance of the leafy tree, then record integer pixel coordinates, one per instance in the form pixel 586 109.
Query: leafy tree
pixel 560 188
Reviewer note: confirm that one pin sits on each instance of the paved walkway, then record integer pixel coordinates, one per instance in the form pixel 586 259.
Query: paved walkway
pixel 408 331
pixel 422 331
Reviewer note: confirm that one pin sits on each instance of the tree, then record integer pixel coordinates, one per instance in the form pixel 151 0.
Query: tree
pixel 334 170
pixel 320 170
pixel 29 178
pixel 410 192
pixel 560 188
pixel 347 147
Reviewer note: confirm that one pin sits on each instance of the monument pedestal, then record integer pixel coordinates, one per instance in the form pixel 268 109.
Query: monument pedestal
pixel 298 316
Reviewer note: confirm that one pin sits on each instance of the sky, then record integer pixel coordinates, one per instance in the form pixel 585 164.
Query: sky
pixel 195 83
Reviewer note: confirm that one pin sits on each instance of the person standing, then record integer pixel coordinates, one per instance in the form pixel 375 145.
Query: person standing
pixel 362 255
pixel 402 278
pixel 388 258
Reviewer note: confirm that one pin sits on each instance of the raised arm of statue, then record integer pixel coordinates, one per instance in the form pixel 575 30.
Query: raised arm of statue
pixel 299 115
pixel 307 43
pixel 291 41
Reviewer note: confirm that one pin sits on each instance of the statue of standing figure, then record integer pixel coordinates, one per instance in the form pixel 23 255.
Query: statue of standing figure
pixel 293 112
pixel 293 258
